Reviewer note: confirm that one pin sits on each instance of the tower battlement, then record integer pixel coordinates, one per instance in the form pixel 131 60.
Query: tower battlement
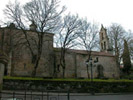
pixel 104 40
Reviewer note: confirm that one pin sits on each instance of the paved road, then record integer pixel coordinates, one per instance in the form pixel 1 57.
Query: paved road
pixel 64 96
pixel 103 97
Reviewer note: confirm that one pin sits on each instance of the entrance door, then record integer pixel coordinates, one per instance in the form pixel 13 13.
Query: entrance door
pixel 100 71
pixel 5 70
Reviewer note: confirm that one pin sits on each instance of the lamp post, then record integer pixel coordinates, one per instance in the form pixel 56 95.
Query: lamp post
pixel 90 61
pixel 91 72
pixel 87 63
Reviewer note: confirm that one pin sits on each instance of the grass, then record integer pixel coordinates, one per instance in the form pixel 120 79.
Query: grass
pixel 22 78
pixel 66 79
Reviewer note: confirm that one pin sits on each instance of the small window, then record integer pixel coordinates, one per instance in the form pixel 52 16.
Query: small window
pixel 58 68
pixel 101 45
pixel 24 65
pixel 104 45
pixel 102 36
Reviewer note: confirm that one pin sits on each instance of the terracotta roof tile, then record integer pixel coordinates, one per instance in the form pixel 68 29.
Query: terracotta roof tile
pixel 96 53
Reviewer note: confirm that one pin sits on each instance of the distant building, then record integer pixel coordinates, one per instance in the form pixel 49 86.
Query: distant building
pixel 20 58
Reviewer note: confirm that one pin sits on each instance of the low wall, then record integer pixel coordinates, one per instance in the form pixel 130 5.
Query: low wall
pixel 72 86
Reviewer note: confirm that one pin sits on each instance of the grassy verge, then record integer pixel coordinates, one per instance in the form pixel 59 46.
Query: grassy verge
pixel 66 79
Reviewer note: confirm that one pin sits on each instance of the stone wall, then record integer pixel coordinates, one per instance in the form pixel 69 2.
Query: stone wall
pixel 20 58
pixel 3 63
pixel 24 67
pixel 76 66
pixel 20 63
pixel 1 74
pixel 81 86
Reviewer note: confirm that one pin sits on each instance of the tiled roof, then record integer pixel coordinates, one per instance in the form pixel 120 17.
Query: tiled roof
pixel 95 53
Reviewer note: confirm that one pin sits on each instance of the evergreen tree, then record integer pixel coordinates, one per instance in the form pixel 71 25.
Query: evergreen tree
pixel 126 58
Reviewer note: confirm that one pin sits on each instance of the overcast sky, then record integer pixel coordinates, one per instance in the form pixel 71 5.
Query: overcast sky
pixel 101 11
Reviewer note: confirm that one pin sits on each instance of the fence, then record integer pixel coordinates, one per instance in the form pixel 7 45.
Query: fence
pixel 26 95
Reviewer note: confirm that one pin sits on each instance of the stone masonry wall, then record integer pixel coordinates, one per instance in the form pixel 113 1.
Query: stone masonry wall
pixel 24 67
pixel 12 40
pixel 76 66
pixel 20 62
pixel 1 74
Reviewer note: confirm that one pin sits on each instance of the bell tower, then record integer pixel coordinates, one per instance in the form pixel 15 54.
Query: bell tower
pixel 104 40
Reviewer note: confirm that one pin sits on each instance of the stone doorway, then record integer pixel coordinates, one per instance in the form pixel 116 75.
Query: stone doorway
pixel 5 70
pixel 100 70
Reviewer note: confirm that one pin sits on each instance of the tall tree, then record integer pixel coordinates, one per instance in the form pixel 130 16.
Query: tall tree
pixel 88 38
pixel 126 58
pixel 66 36
pixel 131 48
pixel 129 40
pixel 116 35
pixel 44 16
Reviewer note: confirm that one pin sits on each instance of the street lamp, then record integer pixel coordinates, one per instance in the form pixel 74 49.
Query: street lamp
pixel 87 63
pixel 90 61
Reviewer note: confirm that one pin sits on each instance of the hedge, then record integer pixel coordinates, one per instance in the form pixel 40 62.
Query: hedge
pixel 73 85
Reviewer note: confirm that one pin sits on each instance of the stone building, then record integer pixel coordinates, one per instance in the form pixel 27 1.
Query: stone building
pixel 3 63
pixel 19 63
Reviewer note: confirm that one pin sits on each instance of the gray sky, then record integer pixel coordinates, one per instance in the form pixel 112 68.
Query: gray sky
pixel 100 11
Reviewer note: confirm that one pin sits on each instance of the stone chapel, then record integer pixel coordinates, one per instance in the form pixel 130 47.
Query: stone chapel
pixel 19 63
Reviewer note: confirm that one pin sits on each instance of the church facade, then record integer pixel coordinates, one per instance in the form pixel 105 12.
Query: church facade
pixel 19 63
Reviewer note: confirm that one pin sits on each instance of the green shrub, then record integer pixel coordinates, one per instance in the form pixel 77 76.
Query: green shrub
pixel 74 85
pixel 130 77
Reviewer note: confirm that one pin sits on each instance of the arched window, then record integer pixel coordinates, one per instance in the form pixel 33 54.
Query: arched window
pixel 102 36
pixel 100 73
pixel 101 45
pixel 104 45
pixel 5 70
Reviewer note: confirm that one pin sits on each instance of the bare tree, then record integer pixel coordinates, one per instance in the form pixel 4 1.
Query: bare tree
pixel 44 16
pixel 116 35
pixel 88 38
pixel 131 48
pixel 129 39
pixel 66 36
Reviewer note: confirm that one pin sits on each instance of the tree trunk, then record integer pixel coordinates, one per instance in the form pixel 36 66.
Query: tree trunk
pixel 63 75
pixel 36 64
pixel 89 55
pixel 35 67
pixel 88 72
pixel 63 66
pixel 62 62
pixel 40 45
